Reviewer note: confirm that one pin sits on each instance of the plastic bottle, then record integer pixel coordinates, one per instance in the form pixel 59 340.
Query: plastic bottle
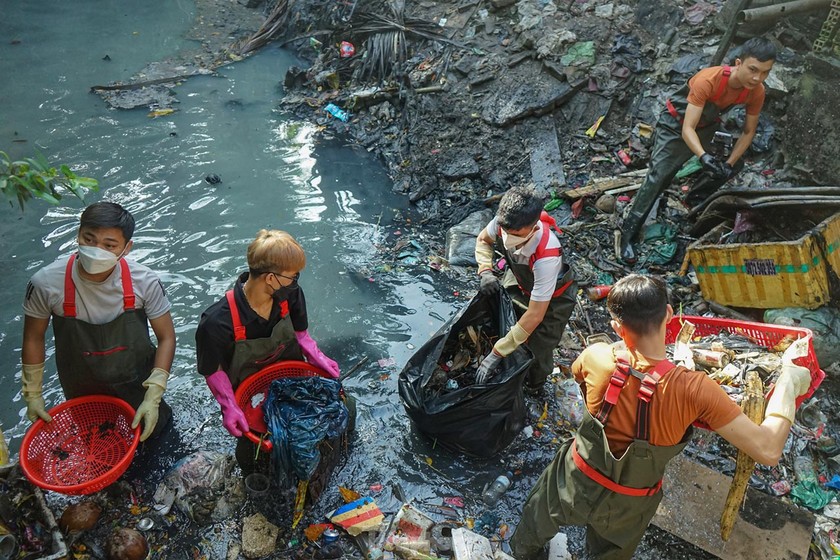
pixel 570 401
pixel 596 293
pixel 337 112
pixel 803 467
pixel 493 493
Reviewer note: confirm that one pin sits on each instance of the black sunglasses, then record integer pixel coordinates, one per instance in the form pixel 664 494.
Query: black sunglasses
pixel 294 278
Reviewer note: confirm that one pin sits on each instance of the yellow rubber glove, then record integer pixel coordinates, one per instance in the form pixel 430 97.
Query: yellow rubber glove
pixel 511 341
pixel 792 382
pixel 32 378
pixel 483 256
pixel 148 410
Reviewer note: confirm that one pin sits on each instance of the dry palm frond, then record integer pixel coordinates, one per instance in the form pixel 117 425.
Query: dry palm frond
pixel 269 29
pixel 386 43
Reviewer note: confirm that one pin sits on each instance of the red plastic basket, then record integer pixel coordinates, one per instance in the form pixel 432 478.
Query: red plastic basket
pixel 767 335
pixel 87 446
pixel 251 393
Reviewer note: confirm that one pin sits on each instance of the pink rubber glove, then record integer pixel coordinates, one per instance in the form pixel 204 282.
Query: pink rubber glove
pixel 314 356
pixel 233 419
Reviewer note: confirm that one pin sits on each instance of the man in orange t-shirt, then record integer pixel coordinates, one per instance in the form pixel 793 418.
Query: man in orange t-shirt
pixel 689 122
pixel 608 477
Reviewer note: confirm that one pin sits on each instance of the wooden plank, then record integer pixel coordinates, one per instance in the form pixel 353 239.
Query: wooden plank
pixel 597 186
pixel 766 528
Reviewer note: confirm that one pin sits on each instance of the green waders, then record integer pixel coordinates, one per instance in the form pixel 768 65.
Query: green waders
pixel 519 281
pixel 114 358
pixel 249 357
pixel 670 152
pixel 252 355
pixel 586 485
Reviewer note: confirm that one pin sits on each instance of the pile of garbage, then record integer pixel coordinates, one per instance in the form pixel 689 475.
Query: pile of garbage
pixel 460 359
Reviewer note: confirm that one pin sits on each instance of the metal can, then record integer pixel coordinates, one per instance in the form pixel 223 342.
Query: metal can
pixel 710 358
pixel 330 536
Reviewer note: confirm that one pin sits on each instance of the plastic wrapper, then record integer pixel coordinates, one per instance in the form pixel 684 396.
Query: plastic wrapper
pixel 300 413
pixel 201 486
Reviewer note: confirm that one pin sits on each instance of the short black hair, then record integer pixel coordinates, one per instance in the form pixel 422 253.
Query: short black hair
pixel 108 215
pixel 519 207
pixel 639 303
pixel 759 48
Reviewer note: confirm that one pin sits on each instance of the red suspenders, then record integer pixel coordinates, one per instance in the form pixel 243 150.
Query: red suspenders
pixel 546 223
pixel 70 288
pixel 646 391
pixel 238 328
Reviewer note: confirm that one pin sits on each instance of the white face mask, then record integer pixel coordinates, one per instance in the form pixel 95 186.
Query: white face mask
pixel 96 260
pixel 513 241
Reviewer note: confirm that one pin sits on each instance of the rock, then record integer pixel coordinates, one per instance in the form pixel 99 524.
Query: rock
pixel 460 165
pixel 517 100
pixel 80 517
pixel 251 3
pixel 606 203
pixel 465 65
pixel 460 238
pixel 126 544
pixel 546 161
pixel 258 536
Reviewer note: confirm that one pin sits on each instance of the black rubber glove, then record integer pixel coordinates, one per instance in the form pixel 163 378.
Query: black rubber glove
pixel 713 166
pixel 489 283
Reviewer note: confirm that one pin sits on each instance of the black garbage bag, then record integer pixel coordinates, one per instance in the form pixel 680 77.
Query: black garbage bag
pixel 300 413
pixel 478 420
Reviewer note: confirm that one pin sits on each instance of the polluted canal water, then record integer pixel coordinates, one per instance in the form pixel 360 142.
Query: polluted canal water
pixel 200 182
pixel 274 173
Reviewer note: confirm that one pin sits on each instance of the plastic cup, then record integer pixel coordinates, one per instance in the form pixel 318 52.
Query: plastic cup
pixel 256 485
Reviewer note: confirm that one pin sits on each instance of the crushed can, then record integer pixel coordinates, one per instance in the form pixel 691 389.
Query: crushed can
pixel 330 535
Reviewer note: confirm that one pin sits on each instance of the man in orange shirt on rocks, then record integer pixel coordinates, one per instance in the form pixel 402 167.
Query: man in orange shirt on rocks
pixel 688 125
pixel 639 412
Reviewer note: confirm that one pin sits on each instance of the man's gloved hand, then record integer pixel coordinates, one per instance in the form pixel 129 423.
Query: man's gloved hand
pixel 792 382
pixel 489 283
pixel 155 385
pixel 32 380
pixel 728 170
pixel 314 355
pixel 233 419
pixel 488 364
pixel 714 167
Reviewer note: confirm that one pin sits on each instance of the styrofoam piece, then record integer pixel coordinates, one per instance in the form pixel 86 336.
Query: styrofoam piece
pixel 467 545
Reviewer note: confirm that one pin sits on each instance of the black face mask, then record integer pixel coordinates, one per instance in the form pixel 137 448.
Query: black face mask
pixel 283 292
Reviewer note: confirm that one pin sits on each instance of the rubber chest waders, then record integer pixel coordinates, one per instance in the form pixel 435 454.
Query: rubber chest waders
pixel 519 281
pixel 585 484
pixel 109 359
pixel 249 357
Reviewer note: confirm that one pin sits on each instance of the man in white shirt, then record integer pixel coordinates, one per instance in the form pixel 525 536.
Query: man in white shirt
pixel 540 283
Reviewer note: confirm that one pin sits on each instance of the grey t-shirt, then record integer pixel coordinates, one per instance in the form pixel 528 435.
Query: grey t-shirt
pixel 96 302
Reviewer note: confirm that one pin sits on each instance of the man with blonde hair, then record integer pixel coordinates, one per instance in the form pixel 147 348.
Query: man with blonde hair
pixel 262 320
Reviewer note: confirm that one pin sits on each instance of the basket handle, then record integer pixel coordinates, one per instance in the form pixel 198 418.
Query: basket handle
pixel 263 443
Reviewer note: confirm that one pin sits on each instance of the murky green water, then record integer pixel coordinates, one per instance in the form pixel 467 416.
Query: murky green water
pixel 336 200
